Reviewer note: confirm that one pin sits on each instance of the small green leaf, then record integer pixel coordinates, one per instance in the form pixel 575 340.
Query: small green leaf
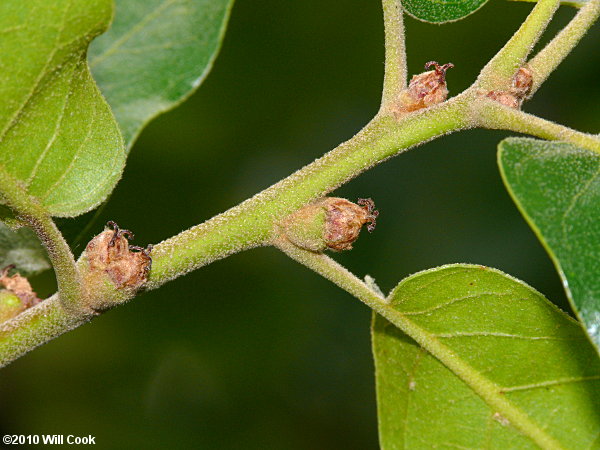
pixel 557 188
pixel 529 357
pixel 155 55
pixel 23 249
pixel 435 11
pixel 57 134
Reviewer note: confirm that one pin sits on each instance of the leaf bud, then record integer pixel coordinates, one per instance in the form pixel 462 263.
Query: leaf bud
pixel 329 223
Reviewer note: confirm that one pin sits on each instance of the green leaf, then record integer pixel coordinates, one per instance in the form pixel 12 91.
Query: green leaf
pixel 155 55
pixel 23 249
pixel 557 188
pixel 434 11
pixel 57 134
pixel 536 375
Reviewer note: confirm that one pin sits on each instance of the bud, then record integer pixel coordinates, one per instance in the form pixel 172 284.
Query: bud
pixel 522 82
pixel 329 223
pixel 19 286
pixel 10 305
pixel 520 88
pixel 424 90
pixel 110 259
pixel 505 98
pixel 17 295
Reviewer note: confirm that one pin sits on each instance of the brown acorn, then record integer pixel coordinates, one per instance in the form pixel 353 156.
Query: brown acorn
pixel 424 90
pixel 329 223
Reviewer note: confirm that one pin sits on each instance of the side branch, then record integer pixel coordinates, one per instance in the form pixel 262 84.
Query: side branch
pixel 29 211
pixel 492 115
pixel 548 59
pixel 395 77
pixel 498 73
pixel 486 389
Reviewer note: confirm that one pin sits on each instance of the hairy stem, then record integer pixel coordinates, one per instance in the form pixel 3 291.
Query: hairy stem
pixel 33 214
pixel 548 59
pixel 493 115
pixel 395 77
pixel 35 327
pixel 486 389
pixel 498 73
pixel 252 223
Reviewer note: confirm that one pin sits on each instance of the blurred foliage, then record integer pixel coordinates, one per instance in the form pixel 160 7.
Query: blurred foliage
pixel 256 351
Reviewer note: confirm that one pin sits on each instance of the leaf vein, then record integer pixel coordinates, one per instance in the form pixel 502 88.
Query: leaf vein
pixel 455 300
pixel 13 120
pixel 459 334
pixel 114 48
pixel 55 134
pixel 550 383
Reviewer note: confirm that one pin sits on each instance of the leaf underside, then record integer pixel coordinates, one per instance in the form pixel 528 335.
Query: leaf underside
pixel 536 357
pixel 58 137
pixel 156 53
pixel 23 249
pixel 557 188
pixel 436 11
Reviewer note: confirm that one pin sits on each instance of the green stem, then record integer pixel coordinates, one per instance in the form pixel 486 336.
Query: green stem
pixel 36 326
pixel 548 59
pixel 395 77
pixel 498 73
pixel 493 115
pixel 33 214
pixel 252 223
pixel 486 389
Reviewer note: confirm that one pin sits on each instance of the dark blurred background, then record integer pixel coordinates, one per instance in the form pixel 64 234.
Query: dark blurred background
pixel 255 351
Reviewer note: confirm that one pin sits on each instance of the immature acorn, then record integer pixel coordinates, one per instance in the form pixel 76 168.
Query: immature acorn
pixel 110 259
pixel 424 90
pixel 520 88
pixel 17 295
pixel 10 305
pixel 329 223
